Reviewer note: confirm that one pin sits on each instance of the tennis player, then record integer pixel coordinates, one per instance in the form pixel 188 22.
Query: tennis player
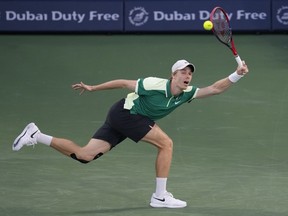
pixel 134 117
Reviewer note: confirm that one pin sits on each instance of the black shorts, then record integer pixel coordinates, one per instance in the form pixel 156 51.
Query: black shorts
pixel 120 124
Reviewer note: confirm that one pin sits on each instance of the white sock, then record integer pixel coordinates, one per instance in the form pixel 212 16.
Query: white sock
pixel 44 139
pixel 160 186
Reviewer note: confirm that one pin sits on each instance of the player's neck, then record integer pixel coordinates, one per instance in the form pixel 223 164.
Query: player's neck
pixel 175 90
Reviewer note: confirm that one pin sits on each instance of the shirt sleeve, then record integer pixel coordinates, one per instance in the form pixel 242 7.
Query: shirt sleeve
pixel 140 90
pixel 146 86
pixel 193 93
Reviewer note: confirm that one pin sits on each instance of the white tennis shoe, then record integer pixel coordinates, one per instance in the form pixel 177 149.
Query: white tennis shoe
pixel 27 137
pixel 167 201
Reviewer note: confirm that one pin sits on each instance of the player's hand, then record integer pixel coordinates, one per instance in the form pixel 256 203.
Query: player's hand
pixel 242 70
pixel 81 86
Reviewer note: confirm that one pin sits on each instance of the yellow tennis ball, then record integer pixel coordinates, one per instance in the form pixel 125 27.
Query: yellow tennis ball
pixel 208 25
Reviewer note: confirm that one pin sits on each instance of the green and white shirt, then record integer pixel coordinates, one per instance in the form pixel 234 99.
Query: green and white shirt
pixel 153 98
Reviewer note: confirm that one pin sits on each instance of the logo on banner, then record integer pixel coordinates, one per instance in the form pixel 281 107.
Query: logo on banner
pixel 282 15
pixel 138 16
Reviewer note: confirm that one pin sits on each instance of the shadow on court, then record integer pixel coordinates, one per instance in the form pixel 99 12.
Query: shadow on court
pixel 189 210
pixel 146 210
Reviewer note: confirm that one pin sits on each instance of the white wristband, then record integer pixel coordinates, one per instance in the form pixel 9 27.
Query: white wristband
pixel 235 77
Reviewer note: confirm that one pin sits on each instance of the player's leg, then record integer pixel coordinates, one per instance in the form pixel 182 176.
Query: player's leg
pixel 163 142
pixel 31 135
pixel 93 150
pixel 138 127
pixel 162 198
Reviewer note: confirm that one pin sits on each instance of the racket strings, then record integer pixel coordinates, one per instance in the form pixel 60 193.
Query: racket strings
pixel 221 27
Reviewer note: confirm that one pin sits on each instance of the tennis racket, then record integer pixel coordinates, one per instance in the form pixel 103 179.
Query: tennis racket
pixel 222 30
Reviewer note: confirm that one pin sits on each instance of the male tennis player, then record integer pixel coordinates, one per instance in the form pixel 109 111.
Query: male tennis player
pixel 134 117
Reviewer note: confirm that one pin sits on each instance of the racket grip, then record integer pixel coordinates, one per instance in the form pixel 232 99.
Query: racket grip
pixel 238 60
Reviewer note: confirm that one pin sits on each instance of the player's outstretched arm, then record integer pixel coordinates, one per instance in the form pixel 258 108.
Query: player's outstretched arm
pixel 114 84
pixel 223 84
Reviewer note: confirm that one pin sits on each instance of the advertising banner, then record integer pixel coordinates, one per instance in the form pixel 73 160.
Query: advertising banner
pixel 61 16
pixel 138 15
pixel 189 15
pixel 280 15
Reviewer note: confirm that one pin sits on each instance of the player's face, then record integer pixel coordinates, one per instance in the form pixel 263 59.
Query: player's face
pixel 183 77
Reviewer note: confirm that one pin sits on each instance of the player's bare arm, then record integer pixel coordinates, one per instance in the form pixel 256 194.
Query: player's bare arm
pixel 221 85
pixel 114 84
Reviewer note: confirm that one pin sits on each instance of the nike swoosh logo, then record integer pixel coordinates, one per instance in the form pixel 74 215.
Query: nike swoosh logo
pixel 32 135
pixel 162 200
pixel 16 143
pixel 177 102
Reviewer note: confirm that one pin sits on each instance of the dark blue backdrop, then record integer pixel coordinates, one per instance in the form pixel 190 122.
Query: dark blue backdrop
pixel 138 15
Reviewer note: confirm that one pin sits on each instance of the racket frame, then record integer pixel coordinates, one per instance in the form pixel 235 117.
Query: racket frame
pixel 230 44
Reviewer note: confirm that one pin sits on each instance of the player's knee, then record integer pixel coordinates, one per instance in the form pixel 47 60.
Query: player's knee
pixel 167 144
pixel 170 143
pixel 81 160
pixel 86 160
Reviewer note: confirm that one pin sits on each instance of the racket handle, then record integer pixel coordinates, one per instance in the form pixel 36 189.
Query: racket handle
pixel 238 60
